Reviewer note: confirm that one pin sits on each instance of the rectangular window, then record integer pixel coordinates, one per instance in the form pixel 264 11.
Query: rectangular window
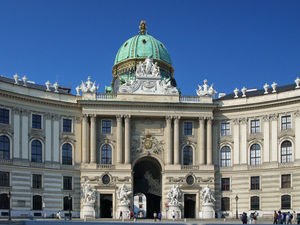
pixel 67 125
pixel 36 181
pixel 36 121
pixel 255 126
pixel 225 204
pixel 254 203
pixel 188 128
pixel 286 122
pixel 4 116
pixel 106 126
pixel 255 183
pixel 286 181
pixel 4 179
pixel 225 184
pixel 67 182
pixel 225 129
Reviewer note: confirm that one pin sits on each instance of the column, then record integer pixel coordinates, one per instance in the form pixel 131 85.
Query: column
pixel 176 140
pixel 168 155
pixel 55 135
pixel 48 135
pixel 25 134
pixel 274 146
pixel 127 139
pixel 243 153
pixel 84 138
pixel 297 135
pixel 16 149
pixel 209 141
pixel 119 139
pixel 266 149
pixel 93 139
pixel 236 139
pixel 201 142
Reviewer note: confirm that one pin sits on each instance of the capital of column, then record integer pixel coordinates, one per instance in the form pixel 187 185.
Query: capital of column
pixel 169 118
pixel 177 118
pixel 127 117
pixel 201 118
pixel 119 117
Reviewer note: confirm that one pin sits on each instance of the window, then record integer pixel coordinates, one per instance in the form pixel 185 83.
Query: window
pixel 225 204
pixel 4 147
pixel 67 182
pixel 4 179
pixel 4 201
pixel 36 121
pixel 255 154
pixel 187 155
pixel 225 156
pixel 286 152
pixel 36 151
pixel 286 181
pixel 225 184
pixel 106 126
pixel 67 203
pixel 285 202
pixel 67 154
pixel 254 183
pixel 225 129
pixel 37 202
pixel 286 122
pixel 106 154
pixel 36 181
pixel 4 116
pixel 67 125
pixel 254 203
pixel 188 128
pixel 255 127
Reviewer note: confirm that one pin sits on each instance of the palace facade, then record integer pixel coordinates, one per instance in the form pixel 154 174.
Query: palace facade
pixel 145 134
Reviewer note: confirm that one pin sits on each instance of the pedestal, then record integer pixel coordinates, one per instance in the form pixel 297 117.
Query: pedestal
pixel 87 211
pixel 208 211
pixel 125 212
pixel 176 211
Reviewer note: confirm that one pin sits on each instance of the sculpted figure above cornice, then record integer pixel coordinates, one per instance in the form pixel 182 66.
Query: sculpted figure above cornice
pixel 297 113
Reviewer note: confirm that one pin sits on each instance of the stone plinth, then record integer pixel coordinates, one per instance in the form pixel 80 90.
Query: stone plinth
pixel 125 212
pixel 208 211
pixel 176 210
pixel 87 211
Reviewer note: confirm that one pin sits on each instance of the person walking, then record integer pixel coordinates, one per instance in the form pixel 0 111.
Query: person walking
pixel 159 216
pixel 244 218
pixel 154 216
pixel 275 217
pixel 289 217
pixel 279 217
pixel 284 218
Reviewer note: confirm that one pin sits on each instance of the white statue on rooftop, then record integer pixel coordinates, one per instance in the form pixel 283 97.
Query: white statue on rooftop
pixel 236 92
pixel 48 84
pixel 266 86
pixel 87 87
pixel 274 85
pixel 55 85
pixel 147 68
pixel 16 77
pixel 297 81
pixel 206 90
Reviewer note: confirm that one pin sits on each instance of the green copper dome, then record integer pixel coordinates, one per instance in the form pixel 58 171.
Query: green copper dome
pixel 143 46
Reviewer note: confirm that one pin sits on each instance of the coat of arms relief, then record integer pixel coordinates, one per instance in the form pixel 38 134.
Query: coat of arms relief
pixel 147 144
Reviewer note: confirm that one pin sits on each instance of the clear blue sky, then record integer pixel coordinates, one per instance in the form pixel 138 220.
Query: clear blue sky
pixel 231 43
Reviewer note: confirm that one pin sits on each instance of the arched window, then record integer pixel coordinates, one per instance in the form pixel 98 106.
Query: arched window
pixel 67 203
pixel 67 154
pixel 4 201
pixel 37 202
pixel 254 203
pixel 106 154
pixel 286 151
pixel 187 155
pixel 225 204
pixel 225 156
pixel 285 202
pixel 36 151
pixel 4 147
pixel 255 154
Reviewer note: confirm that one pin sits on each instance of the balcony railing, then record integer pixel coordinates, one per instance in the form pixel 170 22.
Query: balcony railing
pixel 189 167
pixel 189 99
pixel 105 166
pixel 104 96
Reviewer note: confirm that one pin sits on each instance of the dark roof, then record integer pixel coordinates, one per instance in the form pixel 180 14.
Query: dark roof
pixel 61 90
pixel 279 89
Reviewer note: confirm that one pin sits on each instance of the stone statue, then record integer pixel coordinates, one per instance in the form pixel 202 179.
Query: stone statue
pixel 174 195
pixel 207 195
pixel 205 90
pixel 148 65
pixel 88 86
pixel 88 195
pixel 123 195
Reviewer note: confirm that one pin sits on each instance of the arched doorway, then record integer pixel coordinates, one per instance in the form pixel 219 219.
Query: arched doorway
pixel 147 180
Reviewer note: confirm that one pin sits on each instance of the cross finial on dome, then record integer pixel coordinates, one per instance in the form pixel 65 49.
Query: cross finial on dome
pixel 143 27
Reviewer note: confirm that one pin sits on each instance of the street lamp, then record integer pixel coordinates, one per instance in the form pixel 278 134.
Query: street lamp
pixel 70 205
pixel 9 214
pixel 236 204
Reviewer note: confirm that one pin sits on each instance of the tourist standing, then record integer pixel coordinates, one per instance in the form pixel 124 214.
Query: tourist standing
pixel 275 217
pixel 289 218
pixel 154 216
pixel 159 216
pixel 244 218
pixel 279 217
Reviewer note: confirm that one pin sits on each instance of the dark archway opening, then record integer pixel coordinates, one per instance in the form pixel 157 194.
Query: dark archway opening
pixel 189 205
pixel 147 180
pixel 106 206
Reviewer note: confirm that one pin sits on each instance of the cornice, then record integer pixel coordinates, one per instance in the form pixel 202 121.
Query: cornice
pixel 37 100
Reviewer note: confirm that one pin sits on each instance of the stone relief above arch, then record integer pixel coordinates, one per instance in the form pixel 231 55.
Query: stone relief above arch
pixel 147 144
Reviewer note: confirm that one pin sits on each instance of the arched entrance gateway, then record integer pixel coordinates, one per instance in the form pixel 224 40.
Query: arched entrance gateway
pixel 147 180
